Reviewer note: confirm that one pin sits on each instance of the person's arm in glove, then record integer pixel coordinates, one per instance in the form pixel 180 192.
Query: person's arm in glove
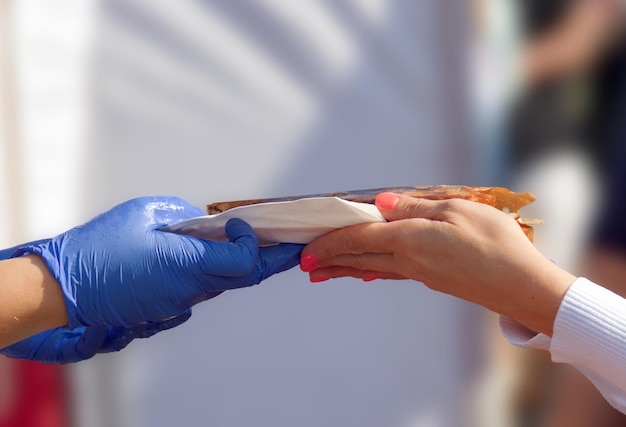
pixel 61 345
pixel 119 270
pixel 30 299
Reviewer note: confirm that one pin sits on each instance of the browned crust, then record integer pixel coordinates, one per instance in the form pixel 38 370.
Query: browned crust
pixel 498 197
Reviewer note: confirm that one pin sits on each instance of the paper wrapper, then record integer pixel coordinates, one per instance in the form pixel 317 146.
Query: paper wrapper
pixel 297 221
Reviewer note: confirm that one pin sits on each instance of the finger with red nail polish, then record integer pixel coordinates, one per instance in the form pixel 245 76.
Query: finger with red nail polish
pixel 308 263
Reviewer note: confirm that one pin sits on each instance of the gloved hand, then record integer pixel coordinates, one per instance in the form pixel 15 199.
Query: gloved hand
pixel 120 270
pixel 60 345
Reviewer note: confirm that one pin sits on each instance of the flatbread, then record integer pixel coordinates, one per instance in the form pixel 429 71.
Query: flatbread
pixel 499 197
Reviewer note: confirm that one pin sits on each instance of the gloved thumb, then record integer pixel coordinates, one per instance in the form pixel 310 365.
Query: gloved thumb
pixel 238 256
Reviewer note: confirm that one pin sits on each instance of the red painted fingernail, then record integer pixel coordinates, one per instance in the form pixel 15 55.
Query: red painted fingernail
pixel 370 278
pixel 308 263
pixel 387 201
pixel 318 279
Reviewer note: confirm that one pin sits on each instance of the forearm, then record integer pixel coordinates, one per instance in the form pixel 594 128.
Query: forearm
pixel 532 296
pixel 31 300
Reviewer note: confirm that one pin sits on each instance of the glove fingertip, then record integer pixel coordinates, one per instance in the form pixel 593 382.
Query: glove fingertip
pixel 276 259
pixel 282 251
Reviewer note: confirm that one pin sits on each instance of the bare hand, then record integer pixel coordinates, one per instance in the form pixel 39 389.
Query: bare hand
pixel 458 247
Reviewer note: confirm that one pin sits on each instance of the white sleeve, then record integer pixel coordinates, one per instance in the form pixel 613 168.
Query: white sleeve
pixel 589 334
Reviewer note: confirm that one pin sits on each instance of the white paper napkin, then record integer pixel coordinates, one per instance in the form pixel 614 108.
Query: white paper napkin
pixel 297 221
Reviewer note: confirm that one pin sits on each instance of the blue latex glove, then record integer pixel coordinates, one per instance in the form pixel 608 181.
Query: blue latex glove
pixel 61 345
pixel 9 252
pixel 120 270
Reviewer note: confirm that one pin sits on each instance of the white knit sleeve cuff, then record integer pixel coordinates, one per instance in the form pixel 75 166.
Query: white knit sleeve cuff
pixel 590 331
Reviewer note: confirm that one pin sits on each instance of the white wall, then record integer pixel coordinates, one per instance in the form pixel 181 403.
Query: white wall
pixel 50 47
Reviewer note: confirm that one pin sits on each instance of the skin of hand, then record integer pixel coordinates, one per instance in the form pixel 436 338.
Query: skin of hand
pixel 121 272
pixel 458 247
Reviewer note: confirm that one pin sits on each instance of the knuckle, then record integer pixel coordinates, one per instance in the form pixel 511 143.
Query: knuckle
pixel 453 204
pixel 412 207
pixel 350 244
pixel 449 208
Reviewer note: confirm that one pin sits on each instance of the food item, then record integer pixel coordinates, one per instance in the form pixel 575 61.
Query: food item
pixel 498 197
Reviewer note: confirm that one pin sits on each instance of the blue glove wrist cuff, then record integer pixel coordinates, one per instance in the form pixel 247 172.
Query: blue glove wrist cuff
pixel 53 266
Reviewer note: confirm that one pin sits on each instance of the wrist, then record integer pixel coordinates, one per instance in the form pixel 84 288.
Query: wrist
pixel 540 296
pixel 32 300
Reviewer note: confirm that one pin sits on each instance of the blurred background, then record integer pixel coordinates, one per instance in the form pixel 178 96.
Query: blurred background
pixel 210 100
